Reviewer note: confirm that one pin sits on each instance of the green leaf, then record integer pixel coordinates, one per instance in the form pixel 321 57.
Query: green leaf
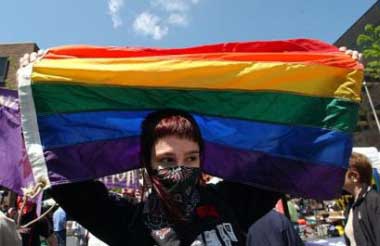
pixel 369 42
pixel 369 28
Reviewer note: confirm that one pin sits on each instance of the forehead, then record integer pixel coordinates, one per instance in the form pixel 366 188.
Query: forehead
pixel 174 145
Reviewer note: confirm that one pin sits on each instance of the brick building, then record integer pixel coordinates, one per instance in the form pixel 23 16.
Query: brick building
pixel 9 61
pixel 367 133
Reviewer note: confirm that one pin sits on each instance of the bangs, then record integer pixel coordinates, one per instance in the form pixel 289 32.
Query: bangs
pixel 176 126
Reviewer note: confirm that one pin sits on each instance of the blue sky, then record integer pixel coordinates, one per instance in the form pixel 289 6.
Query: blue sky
pixel 174 23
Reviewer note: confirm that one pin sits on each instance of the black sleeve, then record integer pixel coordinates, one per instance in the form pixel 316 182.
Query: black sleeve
pixel 90 204
pixel 290 235
pixel 249 203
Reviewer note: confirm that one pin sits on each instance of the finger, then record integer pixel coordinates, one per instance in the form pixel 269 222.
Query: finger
pixel 26 56
pixel 40 53
pixel 21 61
pixel 348 52
pixel 24 60
pixel 355 55
pixel 360 59
pixel 33 57
pixel 342 48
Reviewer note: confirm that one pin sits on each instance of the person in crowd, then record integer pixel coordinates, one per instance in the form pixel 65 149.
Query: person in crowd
pixel 31 234
pixel 12 213
pixel 179 211
pixel 293 210
pixel 130 192
pixel 59 221
pixel 363 223
pixel 8 232
pixel 273 229
pixel 3 206
pixel 77 233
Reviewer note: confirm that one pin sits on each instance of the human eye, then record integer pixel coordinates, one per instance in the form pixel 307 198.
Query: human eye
pixel 192 158
pixel 166 161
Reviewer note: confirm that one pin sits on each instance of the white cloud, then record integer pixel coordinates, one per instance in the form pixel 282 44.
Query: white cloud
pixel 177 19
pixel 171 5
pixel 150 25
pixel 114 7
pixel 164 14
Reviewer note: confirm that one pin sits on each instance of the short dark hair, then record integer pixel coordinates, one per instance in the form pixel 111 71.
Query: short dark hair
pixel 164 123
pixel 361 164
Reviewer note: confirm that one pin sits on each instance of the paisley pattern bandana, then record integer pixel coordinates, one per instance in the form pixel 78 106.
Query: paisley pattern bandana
pixel 181 183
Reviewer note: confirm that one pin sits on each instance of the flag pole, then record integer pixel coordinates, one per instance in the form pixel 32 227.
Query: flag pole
pixel 372 106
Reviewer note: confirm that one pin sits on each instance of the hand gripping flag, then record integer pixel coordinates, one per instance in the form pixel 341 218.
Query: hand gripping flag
pixel 273 114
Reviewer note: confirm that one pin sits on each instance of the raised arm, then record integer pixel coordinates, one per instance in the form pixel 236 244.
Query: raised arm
pixel 90 204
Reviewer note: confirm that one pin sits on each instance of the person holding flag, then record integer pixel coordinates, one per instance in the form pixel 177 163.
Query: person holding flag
pixel 179 211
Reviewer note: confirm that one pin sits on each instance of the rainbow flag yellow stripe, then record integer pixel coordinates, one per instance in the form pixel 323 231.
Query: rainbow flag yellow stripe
pixel 297 78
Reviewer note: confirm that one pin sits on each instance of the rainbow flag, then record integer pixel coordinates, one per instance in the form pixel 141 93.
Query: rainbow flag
pixel 274 114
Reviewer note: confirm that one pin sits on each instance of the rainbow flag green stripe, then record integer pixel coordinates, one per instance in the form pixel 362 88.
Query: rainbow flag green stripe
pixel 330 113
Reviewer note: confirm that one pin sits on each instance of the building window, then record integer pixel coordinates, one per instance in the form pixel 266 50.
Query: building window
pixel 3 69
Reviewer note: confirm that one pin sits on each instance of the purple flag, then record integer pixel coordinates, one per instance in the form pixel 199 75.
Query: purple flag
pixel 15 169
pixel 124 180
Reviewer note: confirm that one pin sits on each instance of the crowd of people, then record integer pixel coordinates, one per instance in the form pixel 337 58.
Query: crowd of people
pixel 37 233
pixel 257 223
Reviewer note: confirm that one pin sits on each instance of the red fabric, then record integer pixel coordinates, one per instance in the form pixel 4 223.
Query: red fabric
pixel 293 45
pixel 207 211
pixel 292 50
pixel 29 206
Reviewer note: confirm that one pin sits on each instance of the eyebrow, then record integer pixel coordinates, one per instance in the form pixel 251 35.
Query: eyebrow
pixel 192 152
pixel 165 154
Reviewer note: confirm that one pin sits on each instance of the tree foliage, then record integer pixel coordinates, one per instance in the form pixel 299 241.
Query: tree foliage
pixel 369 42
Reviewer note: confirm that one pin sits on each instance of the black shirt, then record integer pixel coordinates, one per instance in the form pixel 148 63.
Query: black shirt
pixel 223 215
pixel 273 229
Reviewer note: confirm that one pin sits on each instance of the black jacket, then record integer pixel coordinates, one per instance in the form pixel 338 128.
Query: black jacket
pixel 366 218
pixel 273 229
pixel 120 222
